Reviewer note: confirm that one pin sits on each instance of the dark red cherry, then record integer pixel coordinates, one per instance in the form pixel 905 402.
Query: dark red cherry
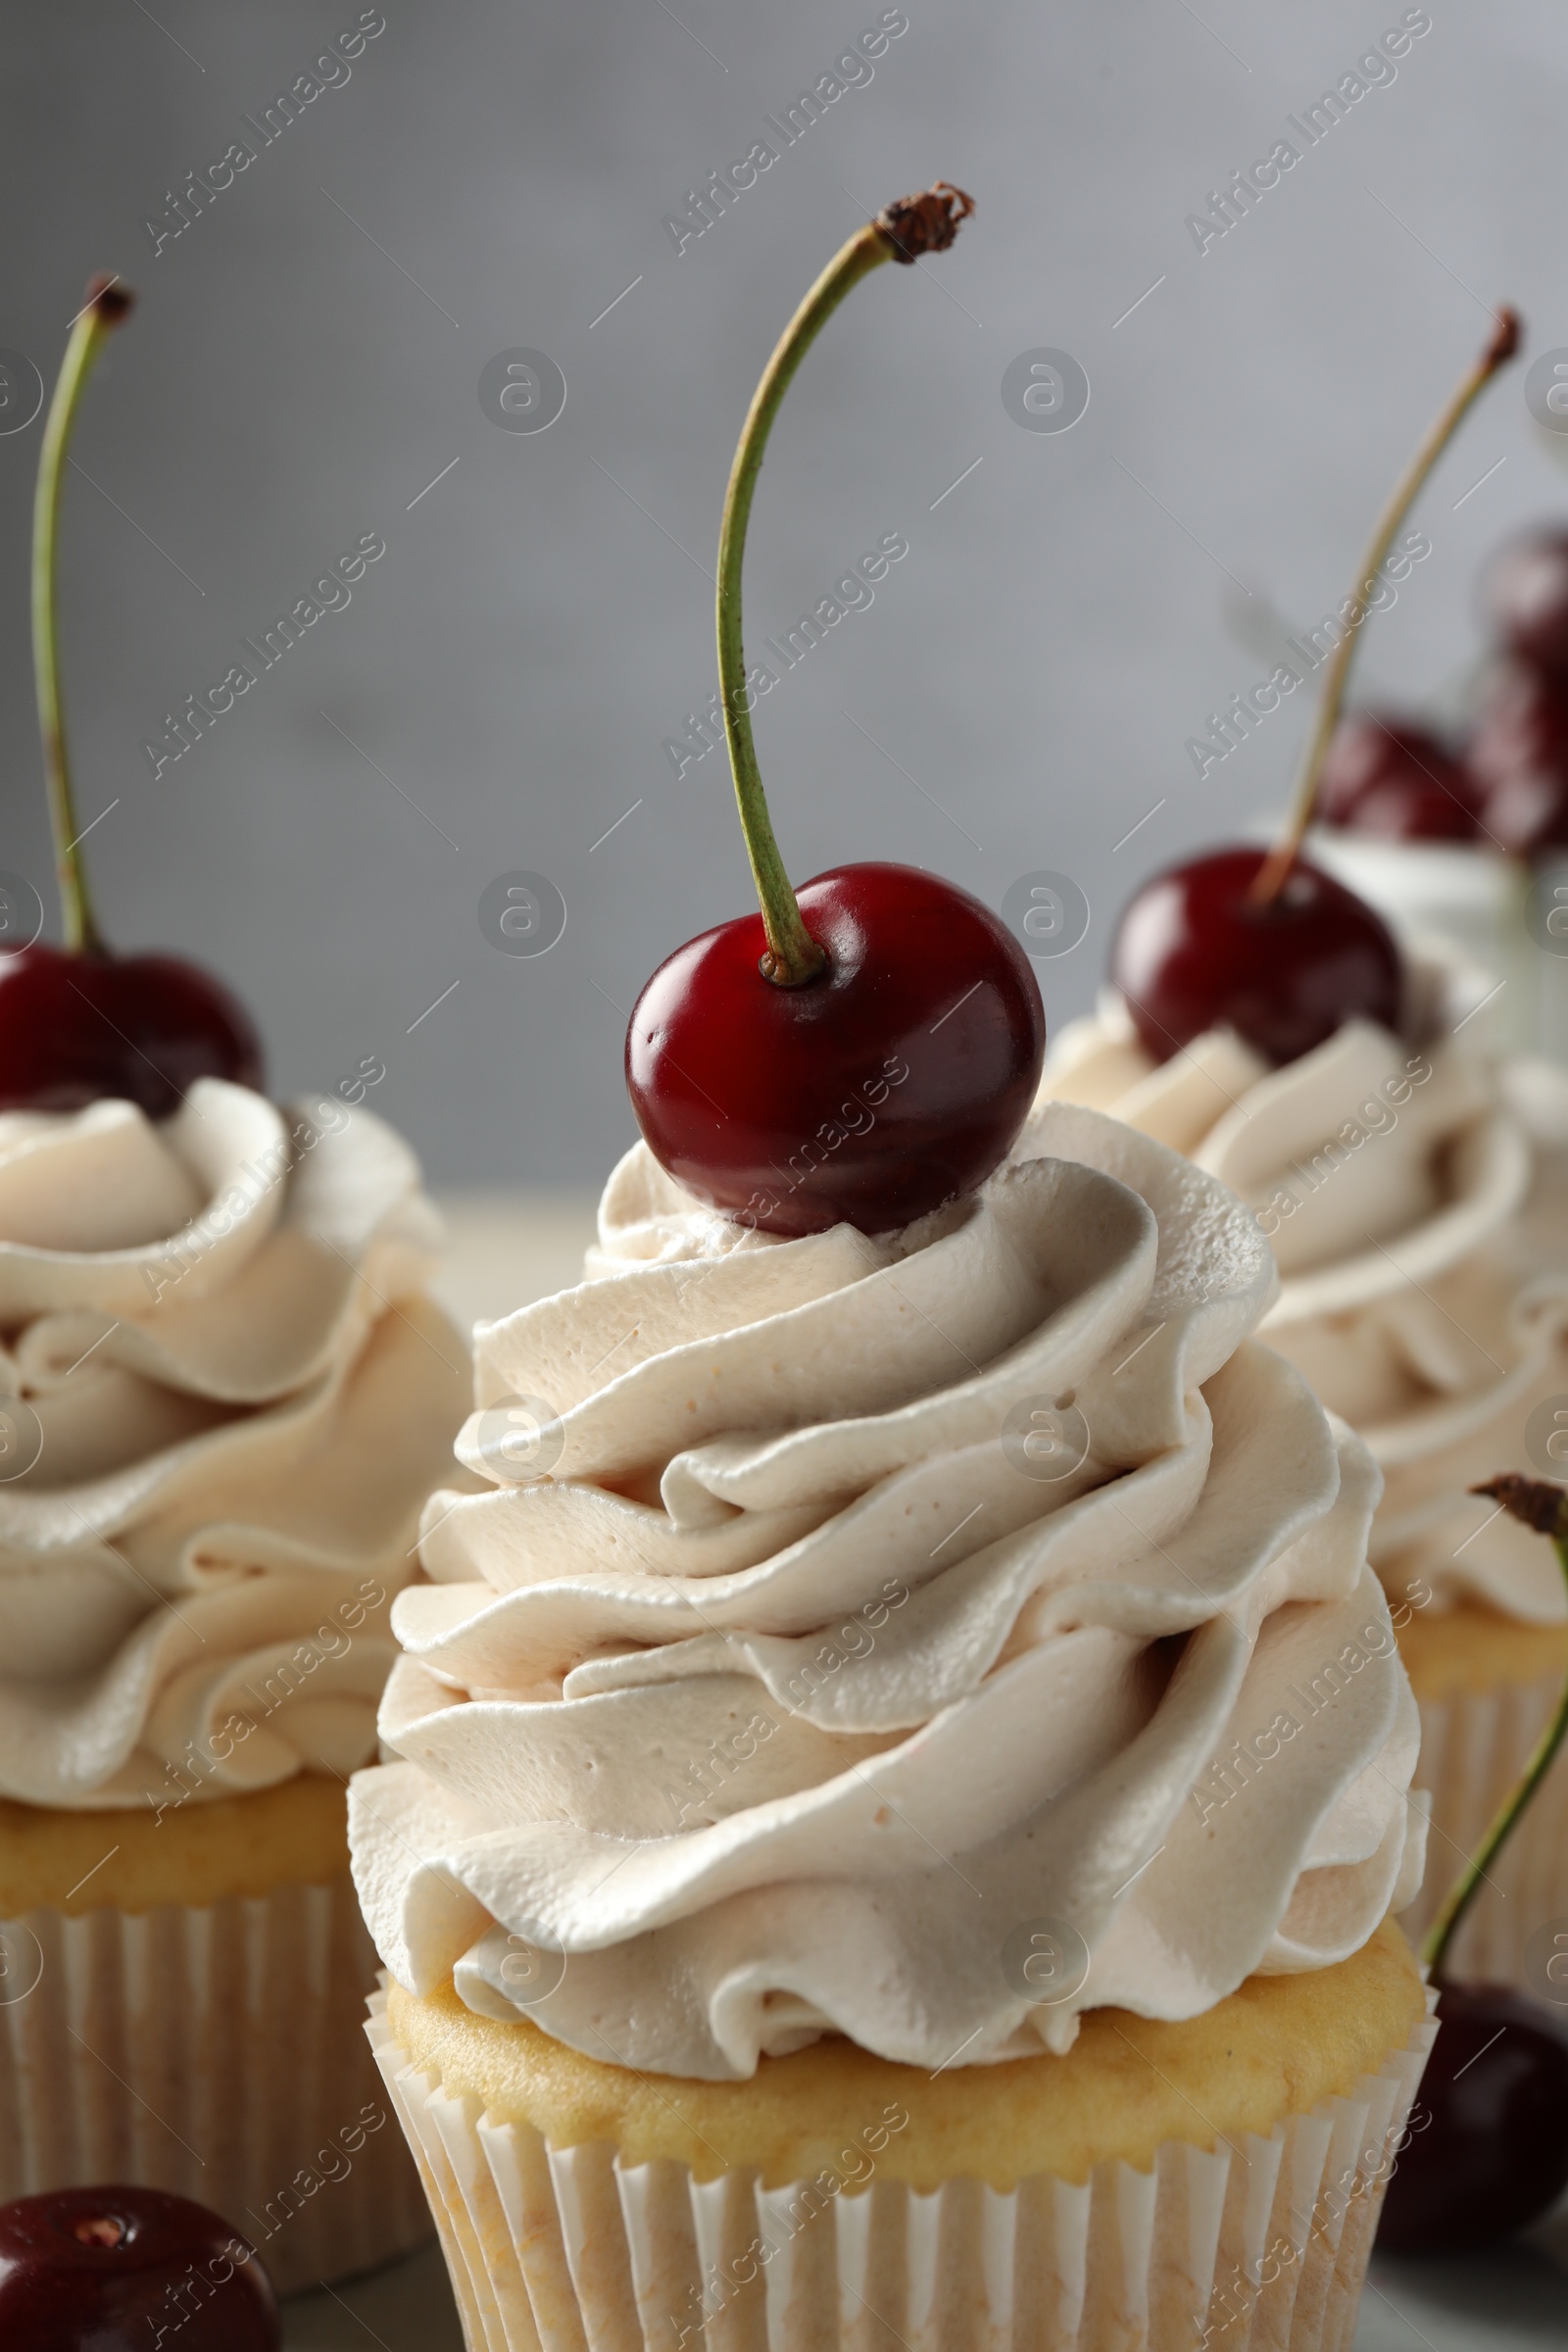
pixel 892 1081
pixel 1192 953
pixel 1487 2151
pixel 120 2270
pixel 74 1028
pixel 1525 597
pixel 1518 759
pixel 1394 778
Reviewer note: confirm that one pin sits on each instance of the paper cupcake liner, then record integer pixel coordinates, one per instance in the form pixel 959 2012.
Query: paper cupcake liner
pixel 217 2052
pixel 1263 2244
pixel 1474 1747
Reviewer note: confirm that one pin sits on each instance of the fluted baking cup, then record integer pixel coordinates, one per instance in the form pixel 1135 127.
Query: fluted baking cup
pixel 217 2052
pixel 1474 1745
pixel 1263 2243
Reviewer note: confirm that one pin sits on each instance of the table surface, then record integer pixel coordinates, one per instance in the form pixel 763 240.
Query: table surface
pixel 506 1249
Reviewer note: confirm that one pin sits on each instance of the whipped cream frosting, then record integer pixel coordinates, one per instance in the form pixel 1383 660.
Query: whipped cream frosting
pixel 922 1638
pixel 1407 1191
pixel 223 1397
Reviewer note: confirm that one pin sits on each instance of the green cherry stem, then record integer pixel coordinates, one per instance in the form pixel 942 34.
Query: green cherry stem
pixel 901 232
pixel 1543 1507
pixel 106 306
pixel 1336 678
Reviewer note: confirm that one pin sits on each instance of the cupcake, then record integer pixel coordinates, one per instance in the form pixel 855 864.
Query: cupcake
pixel 1421 1295
pixel 893 1833
pixel 866 1860
pixel 1360 1095
pixel 228 1394
pixel 225 1394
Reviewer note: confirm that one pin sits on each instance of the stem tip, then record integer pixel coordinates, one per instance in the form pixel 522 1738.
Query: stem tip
pixel 108 299
pixel 1535 1501
pixel 924 224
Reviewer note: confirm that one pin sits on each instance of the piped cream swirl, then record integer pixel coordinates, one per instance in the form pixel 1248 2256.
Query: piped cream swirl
pixel 890 1602
pixel 225 1395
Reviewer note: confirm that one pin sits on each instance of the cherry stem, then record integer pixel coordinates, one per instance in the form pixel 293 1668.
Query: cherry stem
pixel 1544 1507
pixel 1282 856
pixel 914 225
pixel 106 306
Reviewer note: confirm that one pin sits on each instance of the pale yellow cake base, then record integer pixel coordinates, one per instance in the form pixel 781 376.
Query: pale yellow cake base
pixel 1275 2048
pixel 1471 1648
pixel 192 1854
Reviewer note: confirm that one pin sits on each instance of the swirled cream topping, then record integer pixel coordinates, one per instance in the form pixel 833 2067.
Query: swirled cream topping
pixel 1424 1290
pixel 223 1397
pixel 920 1638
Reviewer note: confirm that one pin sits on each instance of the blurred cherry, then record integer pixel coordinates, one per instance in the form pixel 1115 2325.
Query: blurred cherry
pixel 868 1095
pixel 120 2270
pixel 74 1028
pixel 1518 759
pixel 1525 596
pixel 1195 952
pixel 1394 778
pixel 1487 2149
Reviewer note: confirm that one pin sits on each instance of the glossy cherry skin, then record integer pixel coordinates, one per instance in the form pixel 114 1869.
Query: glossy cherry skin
pixel 1192 953
pixel 102 2269
pixel 1518 760
pixel 1394 778
pixel 1525 597
pixel 1487 2149
pixel 76 1028
pixel 893 1082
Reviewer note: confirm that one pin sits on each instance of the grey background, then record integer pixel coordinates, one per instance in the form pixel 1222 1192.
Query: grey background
pixel 1030 671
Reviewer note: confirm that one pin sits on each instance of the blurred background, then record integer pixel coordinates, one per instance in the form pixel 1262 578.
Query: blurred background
pixel 462 183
